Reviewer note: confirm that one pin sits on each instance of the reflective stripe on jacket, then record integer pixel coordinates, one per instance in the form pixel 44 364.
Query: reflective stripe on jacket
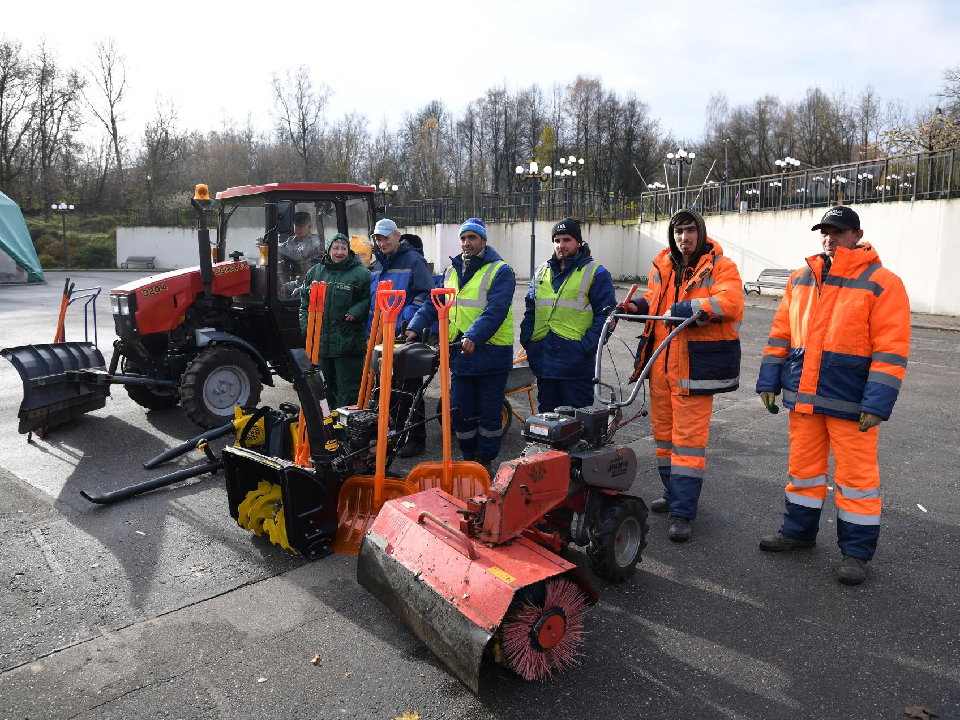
pixel 472 299
pixel 840 339
pixel 567 311
pixel 706 355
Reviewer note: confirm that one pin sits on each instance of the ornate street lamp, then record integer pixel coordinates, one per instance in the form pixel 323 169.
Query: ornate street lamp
pixel 680 158
pixel 532 176
pixel 386 189
pixel 568 173
pixel 63 209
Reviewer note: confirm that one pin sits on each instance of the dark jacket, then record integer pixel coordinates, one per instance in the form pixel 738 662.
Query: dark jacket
pixel 486 359
pixel 554 357
pixel 408 271
pixel 348 291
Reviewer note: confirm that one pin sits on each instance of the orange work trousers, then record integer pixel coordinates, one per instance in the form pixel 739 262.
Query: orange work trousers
pixel 681 428
pixel 856 475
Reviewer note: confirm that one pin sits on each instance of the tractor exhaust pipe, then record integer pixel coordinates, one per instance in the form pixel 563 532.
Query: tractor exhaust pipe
pixel 200 202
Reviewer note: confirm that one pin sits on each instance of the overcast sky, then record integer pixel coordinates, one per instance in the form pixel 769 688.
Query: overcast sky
pixel 386 58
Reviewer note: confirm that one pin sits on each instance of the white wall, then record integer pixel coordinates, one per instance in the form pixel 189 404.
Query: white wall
pixel 915 240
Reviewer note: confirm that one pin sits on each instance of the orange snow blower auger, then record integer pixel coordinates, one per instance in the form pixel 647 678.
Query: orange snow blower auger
pixel 462 479
pixel 362 496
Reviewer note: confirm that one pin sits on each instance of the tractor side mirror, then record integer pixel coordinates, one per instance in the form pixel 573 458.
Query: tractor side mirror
pixel 284 217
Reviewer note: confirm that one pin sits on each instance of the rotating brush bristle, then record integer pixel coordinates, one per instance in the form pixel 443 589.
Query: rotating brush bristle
pixel 541 636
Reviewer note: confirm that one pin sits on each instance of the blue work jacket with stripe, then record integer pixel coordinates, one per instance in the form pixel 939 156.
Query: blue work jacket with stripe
pixel 408 271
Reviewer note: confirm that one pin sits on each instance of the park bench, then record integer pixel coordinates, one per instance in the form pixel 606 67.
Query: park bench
pixel 144 260
pixel 772 278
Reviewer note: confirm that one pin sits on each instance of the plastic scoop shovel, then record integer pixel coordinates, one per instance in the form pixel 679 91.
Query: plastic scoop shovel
pixel 362 496
pixel 462 479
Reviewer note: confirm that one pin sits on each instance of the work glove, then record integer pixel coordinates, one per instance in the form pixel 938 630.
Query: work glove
pixel 869 420
pixel 769 400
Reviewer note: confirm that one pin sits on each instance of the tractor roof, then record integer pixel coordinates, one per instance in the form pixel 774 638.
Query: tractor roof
pixel 245 190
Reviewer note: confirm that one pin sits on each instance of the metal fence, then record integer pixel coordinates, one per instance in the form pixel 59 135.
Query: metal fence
pixel 558 203
pixel 166 217
pixel 448 210
pixel 923 176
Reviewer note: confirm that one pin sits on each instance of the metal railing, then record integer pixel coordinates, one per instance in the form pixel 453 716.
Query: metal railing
pixel 922 176
pixel 166 217
pixel 558 203
pixel 448 210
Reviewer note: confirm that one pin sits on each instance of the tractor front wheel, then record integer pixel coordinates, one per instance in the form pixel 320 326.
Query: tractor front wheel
pixel 215 381
pixel 619 536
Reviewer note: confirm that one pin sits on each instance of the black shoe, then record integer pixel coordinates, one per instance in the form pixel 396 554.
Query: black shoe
pixel 680 530
pixel 660 505
pixel 488 464
pixel 852 570
pixel 781 542
pixel 412 449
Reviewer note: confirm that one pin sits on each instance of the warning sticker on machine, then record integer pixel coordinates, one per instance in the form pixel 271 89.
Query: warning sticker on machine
pixel 503 575
pixel 539 429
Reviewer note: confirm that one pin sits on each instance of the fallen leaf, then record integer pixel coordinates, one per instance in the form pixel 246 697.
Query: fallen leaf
pixel 919 712
pixel 316 660
pixel 95 566
pixel 347 674
pixel 409 716
pixel 261 680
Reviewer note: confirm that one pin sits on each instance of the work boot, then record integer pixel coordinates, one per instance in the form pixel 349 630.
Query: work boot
pixel 411 449
pixel 680 530
pixel 488 465
pixel 780 542
pixel 852 570
pixel 660 505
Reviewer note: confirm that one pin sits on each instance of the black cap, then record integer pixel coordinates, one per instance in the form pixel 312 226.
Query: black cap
pixel 840 217
pixel 568 226
pixel 301 218
pixel 413 241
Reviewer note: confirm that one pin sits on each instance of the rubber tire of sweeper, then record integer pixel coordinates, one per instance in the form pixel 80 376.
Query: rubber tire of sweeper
pixel 618 515
pixel 223 359
pixel 150 398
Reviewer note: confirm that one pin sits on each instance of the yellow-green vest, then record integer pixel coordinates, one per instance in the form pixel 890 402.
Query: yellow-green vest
pixel 472 299
pixel 567 313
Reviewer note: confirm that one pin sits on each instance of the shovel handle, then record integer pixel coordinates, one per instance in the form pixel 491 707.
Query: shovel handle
pixel 469 550
pixel 633 289
pixel 390 302
pixel 442 305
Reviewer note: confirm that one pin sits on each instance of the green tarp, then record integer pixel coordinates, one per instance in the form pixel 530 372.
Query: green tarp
pixel 15 240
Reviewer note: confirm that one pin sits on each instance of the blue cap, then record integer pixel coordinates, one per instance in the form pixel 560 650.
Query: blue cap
pixel 386 226
pixel 475 224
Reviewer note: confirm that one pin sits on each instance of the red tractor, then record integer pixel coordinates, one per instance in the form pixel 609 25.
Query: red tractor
pixel 206 337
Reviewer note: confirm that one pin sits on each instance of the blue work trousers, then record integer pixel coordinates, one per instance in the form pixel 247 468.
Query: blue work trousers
pixel 552 394
pixel 476 403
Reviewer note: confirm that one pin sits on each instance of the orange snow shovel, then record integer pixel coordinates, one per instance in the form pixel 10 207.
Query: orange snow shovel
pixel 362 496
pixel 366 381
pixel 318 294
pixel 463 479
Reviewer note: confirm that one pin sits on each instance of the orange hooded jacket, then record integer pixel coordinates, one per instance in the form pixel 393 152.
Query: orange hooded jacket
pixel 707 353
pixel 840 339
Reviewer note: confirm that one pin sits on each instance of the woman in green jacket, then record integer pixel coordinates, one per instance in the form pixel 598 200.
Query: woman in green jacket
pixel 342 336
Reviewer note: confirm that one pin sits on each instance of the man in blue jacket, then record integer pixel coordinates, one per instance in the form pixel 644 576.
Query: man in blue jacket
pixel 482 316
pixel 563 318
pixel 407 270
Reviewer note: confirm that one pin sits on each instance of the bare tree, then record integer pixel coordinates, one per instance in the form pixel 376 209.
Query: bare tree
pixel 16 86
pixel 300 113
pixel 163 148
pixel 109 78
pixel 55 116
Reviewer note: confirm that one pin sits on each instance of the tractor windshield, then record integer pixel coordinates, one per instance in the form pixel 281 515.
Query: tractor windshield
pixel 314 223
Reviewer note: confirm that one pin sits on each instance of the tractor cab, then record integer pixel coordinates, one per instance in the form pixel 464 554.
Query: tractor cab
pixel 281 230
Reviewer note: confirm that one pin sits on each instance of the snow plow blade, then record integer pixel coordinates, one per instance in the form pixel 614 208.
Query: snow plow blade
pixel 61 381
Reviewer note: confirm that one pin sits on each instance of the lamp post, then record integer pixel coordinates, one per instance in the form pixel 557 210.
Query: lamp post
pixel 568 173
pixel 680 158
pixel 656 187
pixel 63 209
pixel 787 163
pixel 386 190
pixel 532 176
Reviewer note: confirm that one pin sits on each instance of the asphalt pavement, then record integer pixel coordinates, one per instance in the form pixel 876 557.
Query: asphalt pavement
pixel 162 607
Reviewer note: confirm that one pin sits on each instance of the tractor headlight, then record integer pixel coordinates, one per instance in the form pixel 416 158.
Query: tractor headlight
pixel 123 304
pixel 115 304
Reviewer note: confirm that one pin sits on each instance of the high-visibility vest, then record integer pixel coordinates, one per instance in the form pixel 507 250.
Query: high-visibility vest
pixel 472 299
pixel 567 313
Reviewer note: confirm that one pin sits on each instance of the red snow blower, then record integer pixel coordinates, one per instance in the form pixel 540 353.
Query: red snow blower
pixel 483 577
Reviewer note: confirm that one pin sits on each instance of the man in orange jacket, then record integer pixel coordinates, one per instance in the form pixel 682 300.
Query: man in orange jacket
pixel 838 351
pixel 691 277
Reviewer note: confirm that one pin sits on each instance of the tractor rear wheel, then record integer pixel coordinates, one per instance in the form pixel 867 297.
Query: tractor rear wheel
pixel 218 379
pixel 150 398
pixel 618 537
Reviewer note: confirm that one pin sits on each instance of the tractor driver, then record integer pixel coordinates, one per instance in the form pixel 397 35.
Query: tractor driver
pixel 298 253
